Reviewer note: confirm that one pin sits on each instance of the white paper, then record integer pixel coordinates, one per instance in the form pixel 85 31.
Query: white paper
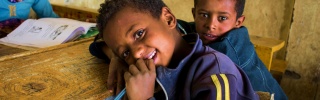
pixel 85 25
pixel 46 32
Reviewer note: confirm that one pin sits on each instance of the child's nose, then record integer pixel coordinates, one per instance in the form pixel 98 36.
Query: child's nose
pixel 211 23
pixel 137 51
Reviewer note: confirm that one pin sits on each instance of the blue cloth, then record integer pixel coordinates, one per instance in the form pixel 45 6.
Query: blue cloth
pixel 237 46
pixel 21 10
pixel 202 73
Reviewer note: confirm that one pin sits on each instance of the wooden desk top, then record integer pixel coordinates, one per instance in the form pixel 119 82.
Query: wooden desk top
pixel 7 50
pixel 67 71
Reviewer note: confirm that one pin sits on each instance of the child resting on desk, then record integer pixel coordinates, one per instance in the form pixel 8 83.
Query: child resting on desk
pixel 183 68
pixel 219 25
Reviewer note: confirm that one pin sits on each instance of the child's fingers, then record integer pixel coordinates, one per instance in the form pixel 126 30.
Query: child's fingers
pixel 127 76
pixel 133 70
pixel 151 65
pixel 141 65
pixel 112 75
pixel 120 82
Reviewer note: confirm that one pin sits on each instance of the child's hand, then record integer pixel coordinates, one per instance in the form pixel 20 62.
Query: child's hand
pixel 117 68
pixel 140 80
pixel 115 76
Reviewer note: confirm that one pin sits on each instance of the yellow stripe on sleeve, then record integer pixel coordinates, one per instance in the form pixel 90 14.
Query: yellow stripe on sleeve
pixel 226 86
pixel 218 86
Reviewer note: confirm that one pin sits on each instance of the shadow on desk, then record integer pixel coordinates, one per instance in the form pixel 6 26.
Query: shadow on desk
pixel 7 50
pixel 66 71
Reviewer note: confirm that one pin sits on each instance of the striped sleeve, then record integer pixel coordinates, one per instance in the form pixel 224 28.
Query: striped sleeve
pixel 221 83
pixel 216 87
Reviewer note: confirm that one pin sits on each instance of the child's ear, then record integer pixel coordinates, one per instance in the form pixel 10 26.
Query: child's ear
pixel 240 21
pixel 168 17
pixel 193 13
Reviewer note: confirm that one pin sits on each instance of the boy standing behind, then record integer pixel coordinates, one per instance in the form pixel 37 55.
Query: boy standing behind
pixel 219 25
pixel 150 43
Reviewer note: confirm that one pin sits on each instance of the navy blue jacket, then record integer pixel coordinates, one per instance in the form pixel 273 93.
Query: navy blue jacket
pixel 205 74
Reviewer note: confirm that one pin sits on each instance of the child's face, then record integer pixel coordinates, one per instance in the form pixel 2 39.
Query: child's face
pixel 214 18
pixel 132 34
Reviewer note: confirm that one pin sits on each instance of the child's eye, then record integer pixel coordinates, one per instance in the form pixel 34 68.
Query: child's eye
pixel 125 54
pixel 138 34
pixel 222 18
pixel 205 15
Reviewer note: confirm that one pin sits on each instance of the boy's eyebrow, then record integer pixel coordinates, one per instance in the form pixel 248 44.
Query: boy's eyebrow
pixel 202 10
pixel 130 29
pixel 117 50
pixel 223 13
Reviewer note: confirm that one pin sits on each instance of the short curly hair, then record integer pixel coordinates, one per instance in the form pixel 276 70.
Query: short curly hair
pixel 239 6
pixel 110 7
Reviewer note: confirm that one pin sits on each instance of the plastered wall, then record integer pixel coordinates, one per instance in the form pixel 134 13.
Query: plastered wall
pixel 181 8
pixel 303 53
pixel 269 18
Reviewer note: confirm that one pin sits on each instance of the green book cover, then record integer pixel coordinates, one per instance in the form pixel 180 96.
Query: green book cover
pixel 93 31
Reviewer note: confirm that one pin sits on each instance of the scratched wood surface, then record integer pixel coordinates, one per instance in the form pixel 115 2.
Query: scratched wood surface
pixel 67 71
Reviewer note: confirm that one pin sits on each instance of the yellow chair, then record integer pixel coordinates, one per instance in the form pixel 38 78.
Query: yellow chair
pixel 265 48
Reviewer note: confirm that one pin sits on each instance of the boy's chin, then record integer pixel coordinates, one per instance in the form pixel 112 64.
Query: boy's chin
pixel 207 41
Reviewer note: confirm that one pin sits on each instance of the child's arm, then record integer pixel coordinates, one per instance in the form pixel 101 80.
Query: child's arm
pixel 43 9
pixel 140 80
pixel 218 77
pixel 117 67
pixel 115 80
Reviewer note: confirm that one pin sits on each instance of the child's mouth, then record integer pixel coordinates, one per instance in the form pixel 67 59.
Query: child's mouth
pixel 153 53
pixel 153 56
pixel 209 37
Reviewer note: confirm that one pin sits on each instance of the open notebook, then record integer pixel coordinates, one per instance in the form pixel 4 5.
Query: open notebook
pixel 45 32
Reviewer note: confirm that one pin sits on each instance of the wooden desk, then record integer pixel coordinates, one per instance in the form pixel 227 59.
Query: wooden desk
pixel 7 50
pixel 74 12
pixel 66 71
pixel 265 48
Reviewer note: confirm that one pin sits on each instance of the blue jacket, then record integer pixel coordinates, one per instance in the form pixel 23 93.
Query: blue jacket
pixel 21 10
pixel 205 74
pixel 237 46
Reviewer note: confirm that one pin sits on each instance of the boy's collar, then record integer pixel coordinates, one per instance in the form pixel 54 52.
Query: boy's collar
pixel 234 31
pixel 182 29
